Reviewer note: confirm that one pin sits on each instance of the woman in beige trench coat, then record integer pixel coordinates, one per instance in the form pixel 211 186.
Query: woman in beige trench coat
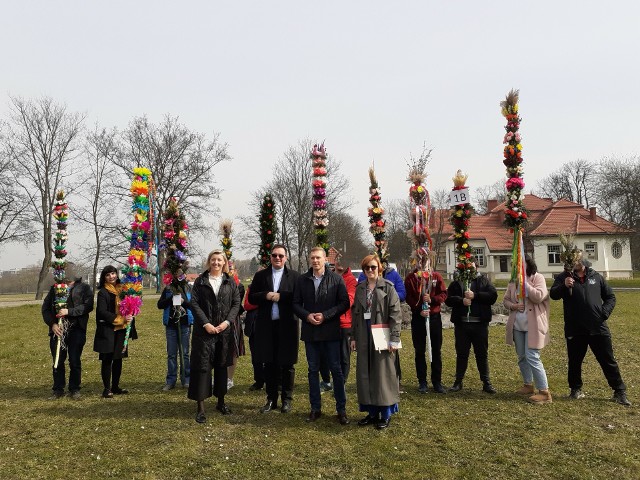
pixel 376 302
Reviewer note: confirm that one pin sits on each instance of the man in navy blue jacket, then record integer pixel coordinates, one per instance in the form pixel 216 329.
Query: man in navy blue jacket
pixel 319 299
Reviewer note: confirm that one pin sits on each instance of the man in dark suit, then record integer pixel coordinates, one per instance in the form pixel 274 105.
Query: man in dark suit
pixel 276 329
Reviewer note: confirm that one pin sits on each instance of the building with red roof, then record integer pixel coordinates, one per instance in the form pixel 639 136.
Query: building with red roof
pixel 604 243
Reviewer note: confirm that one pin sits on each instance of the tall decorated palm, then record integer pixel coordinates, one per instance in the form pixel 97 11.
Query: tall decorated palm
pixel 420 236
pixel 139 247
pixel 59 264
pixel 176 263
pixel 461 221
pixel 227 243
pixel 377 225
pixel 176 245
pixel 268 229
pixel 515 211
pixel 320 218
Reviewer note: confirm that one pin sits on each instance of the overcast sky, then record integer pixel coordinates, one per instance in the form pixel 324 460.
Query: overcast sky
pixel 374 78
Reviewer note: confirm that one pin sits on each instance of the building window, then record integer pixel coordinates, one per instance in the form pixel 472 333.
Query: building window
pixel 591 250
pixel 480 258
pixel 553 254
pixel 616 250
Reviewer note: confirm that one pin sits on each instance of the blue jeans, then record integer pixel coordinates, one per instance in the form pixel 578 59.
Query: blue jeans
pixel 331 352
pixel 529 361
pixel 172 354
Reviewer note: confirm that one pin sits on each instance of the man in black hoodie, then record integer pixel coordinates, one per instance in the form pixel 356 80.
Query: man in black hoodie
pixel 587 303
pixel 79 305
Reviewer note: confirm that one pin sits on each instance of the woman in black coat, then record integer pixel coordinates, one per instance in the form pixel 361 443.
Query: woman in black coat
pixel 215 303
pixel 110 331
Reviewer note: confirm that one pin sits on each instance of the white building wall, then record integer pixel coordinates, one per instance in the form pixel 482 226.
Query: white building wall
pixel 602 261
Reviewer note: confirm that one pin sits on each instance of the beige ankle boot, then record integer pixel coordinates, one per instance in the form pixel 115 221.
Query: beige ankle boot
pixel 526 389
pixel 543 396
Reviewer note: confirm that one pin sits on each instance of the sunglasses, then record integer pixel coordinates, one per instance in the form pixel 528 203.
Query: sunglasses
pixel 370 268
pixel 277 255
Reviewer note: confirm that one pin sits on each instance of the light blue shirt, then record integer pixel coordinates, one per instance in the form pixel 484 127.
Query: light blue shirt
pixel 277 277
pixel 317 280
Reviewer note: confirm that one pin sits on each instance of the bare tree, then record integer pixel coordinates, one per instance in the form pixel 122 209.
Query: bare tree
pixel 41 142
pixel 398 223
pixel 440 209
pixel 291 189
pixel 347 235
pixel 575 181
pixel 101 201
pixel 13 224
pixel 480 196
pixel 182 165
pixel 619 196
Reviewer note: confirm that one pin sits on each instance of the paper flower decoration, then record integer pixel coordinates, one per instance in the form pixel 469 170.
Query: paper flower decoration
pixel 320 219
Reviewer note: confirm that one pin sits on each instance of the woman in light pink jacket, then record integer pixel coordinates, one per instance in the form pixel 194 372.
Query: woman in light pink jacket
pixel 528 329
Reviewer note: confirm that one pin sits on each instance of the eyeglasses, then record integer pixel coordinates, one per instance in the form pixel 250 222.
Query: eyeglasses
pixel 371 268
pixel 277 255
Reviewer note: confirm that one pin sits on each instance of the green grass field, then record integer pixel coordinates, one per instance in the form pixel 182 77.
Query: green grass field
pixel 152 435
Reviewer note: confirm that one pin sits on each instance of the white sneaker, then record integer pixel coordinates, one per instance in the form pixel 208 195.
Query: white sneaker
pixel 229 384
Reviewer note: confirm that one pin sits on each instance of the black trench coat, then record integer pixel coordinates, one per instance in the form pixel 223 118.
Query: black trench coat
pixel 289 326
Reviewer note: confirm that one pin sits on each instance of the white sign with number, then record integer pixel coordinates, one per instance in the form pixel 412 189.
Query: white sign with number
pixel 458 197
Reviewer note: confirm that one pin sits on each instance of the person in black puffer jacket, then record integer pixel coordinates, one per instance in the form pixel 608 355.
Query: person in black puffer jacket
pixel 588 301
pixel 471 314
pixel 215 303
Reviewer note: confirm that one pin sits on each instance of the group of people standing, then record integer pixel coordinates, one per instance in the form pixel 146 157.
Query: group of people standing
pixel 109 340
pixel 334 315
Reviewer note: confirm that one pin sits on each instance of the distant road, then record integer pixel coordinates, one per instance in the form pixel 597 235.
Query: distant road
pixel 19 303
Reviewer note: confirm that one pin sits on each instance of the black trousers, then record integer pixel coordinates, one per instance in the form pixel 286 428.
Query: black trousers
pixel 278 378
pixel 345 353
pixel 204 358
pixel 602 349
pixel 110 371
pixel 476 334
pixel 419 338
pixel 74 341
pixel 258 367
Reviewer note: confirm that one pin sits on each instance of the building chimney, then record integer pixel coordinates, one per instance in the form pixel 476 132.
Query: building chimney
pixel 491 204
pixel 592 213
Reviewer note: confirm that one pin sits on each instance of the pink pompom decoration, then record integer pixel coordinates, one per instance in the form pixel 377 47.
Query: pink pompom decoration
pixel 167 278
pixel 515 182
pixel 130 305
